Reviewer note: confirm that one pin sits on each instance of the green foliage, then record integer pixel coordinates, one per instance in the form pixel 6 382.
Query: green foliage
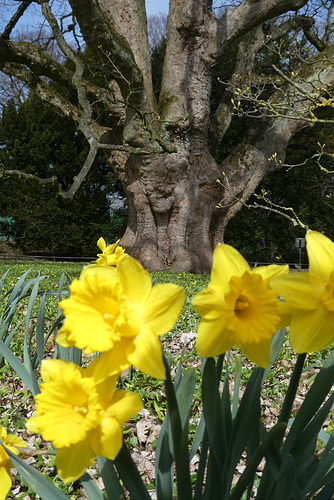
pixel 307 189
pixel 35 139
pixel 157 59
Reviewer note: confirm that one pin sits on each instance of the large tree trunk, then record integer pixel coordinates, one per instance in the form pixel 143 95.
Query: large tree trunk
pixel 172 208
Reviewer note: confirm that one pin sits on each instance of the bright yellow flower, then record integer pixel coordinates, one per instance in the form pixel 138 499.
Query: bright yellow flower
pixel 309 306
pixel 11 442
pixel 116 311
pixel 81 414
pixel 111 254
pixel 238 307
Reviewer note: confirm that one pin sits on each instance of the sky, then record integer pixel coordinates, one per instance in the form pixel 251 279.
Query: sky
pixel 156 6
pixel 152 7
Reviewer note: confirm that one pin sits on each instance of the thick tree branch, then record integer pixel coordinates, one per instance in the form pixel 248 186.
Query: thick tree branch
pixel 41 64
pixel 243 69
pixel 249 14
pixel 107 44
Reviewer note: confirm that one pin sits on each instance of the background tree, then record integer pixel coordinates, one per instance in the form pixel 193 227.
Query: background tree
pixel 166 152
pixel 46 145
pixel 265 236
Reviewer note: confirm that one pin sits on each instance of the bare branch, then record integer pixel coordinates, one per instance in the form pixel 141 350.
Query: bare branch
pixel 247 15
pixel 15 18
pixel 286 212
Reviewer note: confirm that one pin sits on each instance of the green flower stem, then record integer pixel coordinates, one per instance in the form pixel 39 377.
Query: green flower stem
pixel 220 364
pixel 292 389
pixel 181 455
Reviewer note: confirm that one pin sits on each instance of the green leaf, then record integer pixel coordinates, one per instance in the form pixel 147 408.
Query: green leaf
pixel 180 443
pixel 212 411
pixel 198 437
pixel 237 379
pixel 215 428
pixel 26 377
pixel 41 486
pixel 129 474
pixel 40 327
pixel 92 490
pixel 327 492
pixel 184 395
pixel 110 478
pixel 2 281
pixel 246 420
pixel 247 477
pixel 276 346
pixel 324 472
pixel 286 481
pixel 164 463
pixel 314 399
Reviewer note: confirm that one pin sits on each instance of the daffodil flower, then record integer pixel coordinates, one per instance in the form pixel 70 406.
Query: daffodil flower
pixel 11 442
pixel 116 311
pixel 81 414
pixel 238 307
pixel 309 306
pixel 111 254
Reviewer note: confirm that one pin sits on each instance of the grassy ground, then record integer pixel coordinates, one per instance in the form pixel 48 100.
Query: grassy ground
pixel 16 404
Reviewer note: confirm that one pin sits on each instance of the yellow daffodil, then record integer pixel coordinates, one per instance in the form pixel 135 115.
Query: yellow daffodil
pixel 111 254
pixel 309 306
pixel 11 442
pixel 238 307
pixel 81 414
pixel 116 311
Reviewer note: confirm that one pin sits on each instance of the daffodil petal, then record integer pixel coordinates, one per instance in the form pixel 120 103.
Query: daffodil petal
pixel 3 455
pixel 268 273
pixel 106 387
pixel 227 262
pixel 108 273
pixel 73 460
pixel 210 301
pixel 311 330
pixel 213 338
pixel 110 248
pixel 101 244
pixel 13 441
pixel 258 353
pixel 163 307
pixel 111 362
pixel 145 354
pixel 92 298
pixel 320 250
pixel 135 281
pixel 50 368
pixel 285 312
pixel 67 407
pixel 110 438
pixel 124 405
pixel 299 289
pixel 5 482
